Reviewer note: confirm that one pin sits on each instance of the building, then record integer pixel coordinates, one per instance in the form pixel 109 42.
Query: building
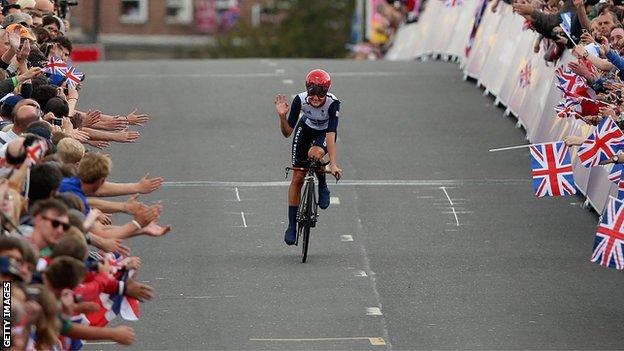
pixel 146 21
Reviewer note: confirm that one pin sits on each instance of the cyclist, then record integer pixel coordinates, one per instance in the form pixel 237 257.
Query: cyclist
pixel 315 136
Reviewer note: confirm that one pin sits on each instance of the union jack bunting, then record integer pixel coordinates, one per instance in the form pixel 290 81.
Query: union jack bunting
pixel 610 236
pixel 73 77
pixel 55 66
pixel 552 169
pixel 525 75
pixel 453 3
pixel 602 144
pixel 616 173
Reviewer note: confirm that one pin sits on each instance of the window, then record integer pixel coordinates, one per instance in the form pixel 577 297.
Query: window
pixel 133 11
pixel 179 11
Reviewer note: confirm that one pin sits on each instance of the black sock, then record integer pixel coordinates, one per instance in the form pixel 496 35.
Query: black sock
pixel 292 216
pixel 322 180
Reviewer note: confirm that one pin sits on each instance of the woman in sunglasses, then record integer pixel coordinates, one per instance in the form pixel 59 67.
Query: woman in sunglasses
pixel 315 137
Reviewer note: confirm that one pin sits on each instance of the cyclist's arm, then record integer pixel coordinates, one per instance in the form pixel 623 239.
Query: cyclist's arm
pixel 288 124
pixel 332 129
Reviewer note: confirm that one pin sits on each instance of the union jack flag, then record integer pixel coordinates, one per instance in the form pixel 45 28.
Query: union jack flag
pixel 602 144
pixel 453 3
pixel 552 169
pixel 73 77
pixel 620 194
pixel 113 305
pixel 616 172
pixel 568 81
pixel 55 66
pixel 569 107
pixel 610 236
pixel 525 75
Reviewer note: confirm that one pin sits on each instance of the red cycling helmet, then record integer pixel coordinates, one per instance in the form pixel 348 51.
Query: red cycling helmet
pixel 318 82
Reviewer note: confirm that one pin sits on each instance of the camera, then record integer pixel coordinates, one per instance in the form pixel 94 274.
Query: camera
pixel 63 5
pixel 57 121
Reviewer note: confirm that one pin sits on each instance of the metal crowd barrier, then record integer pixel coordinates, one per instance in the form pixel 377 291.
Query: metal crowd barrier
pixel 501 49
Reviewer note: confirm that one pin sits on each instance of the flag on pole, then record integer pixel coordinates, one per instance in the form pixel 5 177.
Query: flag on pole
pixel 609 238
pixel 602 144
pixel 552 169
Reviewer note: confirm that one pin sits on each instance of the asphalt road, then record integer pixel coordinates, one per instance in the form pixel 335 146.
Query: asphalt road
pixel 435 244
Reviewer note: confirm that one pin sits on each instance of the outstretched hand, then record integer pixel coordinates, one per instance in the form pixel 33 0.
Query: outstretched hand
pixel 281 105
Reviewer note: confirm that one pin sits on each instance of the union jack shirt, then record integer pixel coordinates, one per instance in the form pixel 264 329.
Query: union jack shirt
pixel 602 144
pixel 610 236
pixel 552 169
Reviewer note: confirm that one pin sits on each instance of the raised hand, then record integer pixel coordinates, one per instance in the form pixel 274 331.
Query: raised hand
pixel 281 105
pixel 148 185
pixel 127 137
pixel 137 119
pixel 155 230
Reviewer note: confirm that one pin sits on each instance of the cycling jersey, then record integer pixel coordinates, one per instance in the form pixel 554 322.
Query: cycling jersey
pixel 313 126
pixel 323 118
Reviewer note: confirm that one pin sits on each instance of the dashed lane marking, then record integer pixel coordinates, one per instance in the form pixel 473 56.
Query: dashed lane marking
pixel 375 341
pixel 287 81
pixel 373 311
pixel 334 200
pixel 345 238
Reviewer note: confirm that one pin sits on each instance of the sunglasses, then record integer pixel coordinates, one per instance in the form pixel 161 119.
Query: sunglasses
pixel 56 223
pixel 316 90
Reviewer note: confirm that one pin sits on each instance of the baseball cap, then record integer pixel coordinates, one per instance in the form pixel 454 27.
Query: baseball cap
pixel 24 32
pixel 9 104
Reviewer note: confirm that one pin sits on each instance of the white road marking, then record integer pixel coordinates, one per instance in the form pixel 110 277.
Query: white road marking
pixel 334 200
pixel 451 202
pixel 345 238
pixel 447 195
pixel 272 64
pixel 431 183
pixel 375 341
pixel 361 274
pixel 280 71
pixel 237 195
pixel 244 220
pixel 373 311
pixel 287 81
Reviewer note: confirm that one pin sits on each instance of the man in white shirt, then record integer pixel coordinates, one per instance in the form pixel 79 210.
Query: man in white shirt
pixel 24 113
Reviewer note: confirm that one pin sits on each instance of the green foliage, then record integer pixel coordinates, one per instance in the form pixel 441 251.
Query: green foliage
pixel 310 28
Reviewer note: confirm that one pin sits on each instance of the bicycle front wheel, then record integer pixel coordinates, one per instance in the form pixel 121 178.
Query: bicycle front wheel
pixel 307 222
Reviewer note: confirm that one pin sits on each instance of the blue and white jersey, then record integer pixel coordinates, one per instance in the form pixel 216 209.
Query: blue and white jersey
pixel 324 117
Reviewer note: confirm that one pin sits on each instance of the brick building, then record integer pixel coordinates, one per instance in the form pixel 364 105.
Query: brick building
pixel 158 20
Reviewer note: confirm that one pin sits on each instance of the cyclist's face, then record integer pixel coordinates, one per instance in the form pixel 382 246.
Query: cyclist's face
pixel 316 101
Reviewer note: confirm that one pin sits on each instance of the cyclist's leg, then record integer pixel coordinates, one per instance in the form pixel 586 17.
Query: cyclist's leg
pixel 301 143
pixel 317 152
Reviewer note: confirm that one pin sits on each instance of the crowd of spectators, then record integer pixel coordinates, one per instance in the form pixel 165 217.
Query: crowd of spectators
pixel 58 245
pixel 386 19
pixel 593 31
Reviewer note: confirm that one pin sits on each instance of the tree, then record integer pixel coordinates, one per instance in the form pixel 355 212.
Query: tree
pixel 314 29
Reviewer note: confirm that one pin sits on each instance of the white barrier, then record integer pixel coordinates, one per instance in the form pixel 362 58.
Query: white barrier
pixel 501 50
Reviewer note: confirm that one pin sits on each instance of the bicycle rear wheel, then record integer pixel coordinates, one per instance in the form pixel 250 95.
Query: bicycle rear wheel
pixel 308 218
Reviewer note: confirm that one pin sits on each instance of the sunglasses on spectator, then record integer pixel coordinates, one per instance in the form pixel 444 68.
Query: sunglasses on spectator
pixel 56 223
pixel 316 90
